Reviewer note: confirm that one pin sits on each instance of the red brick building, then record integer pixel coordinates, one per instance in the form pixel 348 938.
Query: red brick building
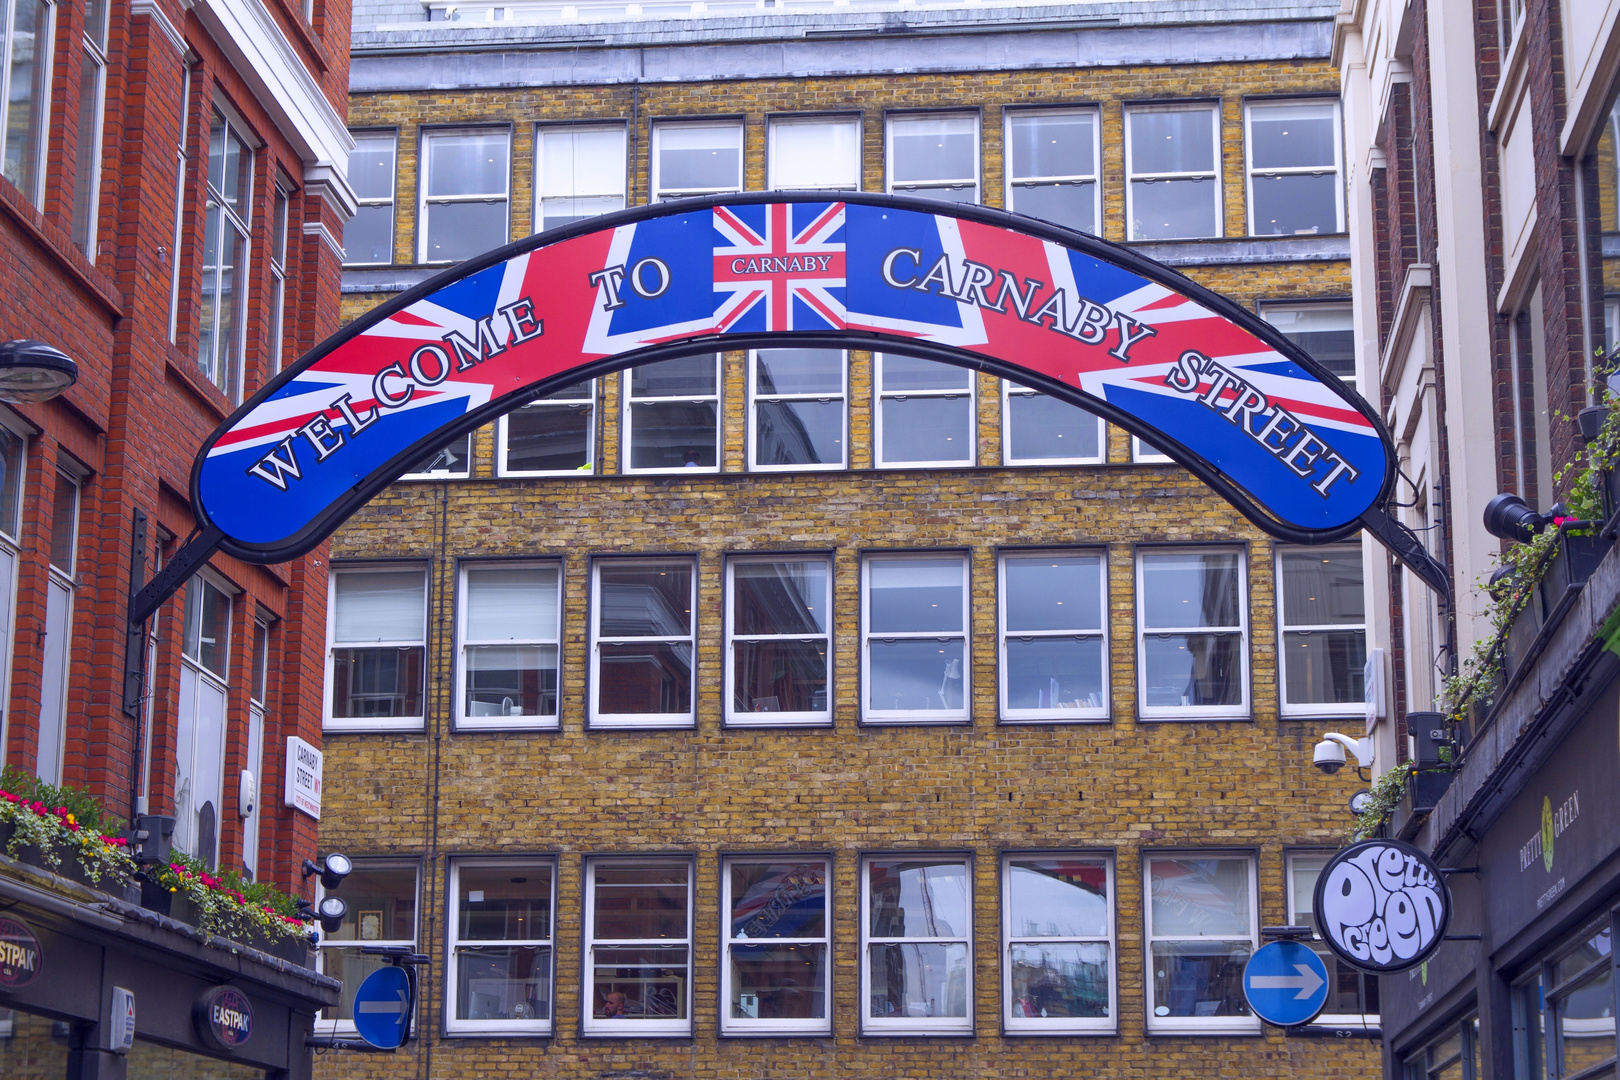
pixel 171 216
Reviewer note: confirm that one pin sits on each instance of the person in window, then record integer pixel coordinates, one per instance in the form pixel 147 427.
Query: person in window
pixel 613 1006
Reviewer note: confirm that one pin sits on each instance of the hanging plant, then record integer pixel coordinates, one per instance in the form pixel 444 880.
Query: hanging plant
pixel 1386 794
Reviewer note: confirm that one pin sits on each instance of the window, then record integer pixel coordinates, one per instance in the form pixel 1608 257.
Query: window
pixel 27 32
pixel 92 92
pixel 1294 187
pixel 1352 995
pixel 1192 623
pixel 13 454
pixel 550 436
pixel 368 238
pixel 579 173
pixel 672 415
pixel 377 640
pixel 914 618
pixel 935 157
pixel 703 158
pixel 1529 1030
pixel 463 210
pixel 59 582
pixel 916 946
pixel 1579 1013
pixel 777 974
pixel 1145 453
pixel 644 640
pixel 1038 429
pixel 1453 1056
pixel 1052 173
pixel 1323 630
pixel 1174 172
pixel 381 896
pixel 925 412
pixel 1052 662
pixel 821 153
pixel 797 414
pixel 221 326
pixel 1202 928
pixel 500 924
pixel 278 276
pixel 510 626
pixel 453 461
pixel 255 754
pixel 638 946
pixel 181 158
pixel 778 642
pixel 1325 331
pixel 1059 937
pixel 200 720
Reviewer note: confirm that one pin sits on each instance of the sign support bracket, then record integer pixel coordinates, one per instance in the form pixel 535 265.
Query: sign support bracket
pixel 186 562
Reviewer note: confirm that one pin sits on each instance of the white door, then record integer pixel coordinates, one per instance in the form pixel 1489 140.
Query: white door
pixel 53 685
pixel 255 764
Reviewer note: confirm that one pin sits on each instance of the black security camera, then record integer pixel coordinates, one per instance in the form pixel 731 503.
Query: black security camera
pixel 1510 518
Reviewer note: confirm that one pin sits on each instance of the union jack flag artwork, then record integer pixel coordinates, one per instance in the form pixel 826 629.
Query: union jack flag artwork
pixel 1097 325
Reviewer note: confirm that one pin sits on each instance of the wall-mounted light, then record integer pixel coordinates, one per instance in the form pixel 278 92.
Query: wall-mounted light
pixel 1510 517
pixel 336 867
pixel 32 371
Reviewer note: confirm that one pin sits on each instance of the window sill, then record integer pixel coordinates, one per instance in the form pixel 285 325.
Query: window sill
pixel 372 727
pixel 206 393
pixel 1050 721
pixel 917 1033
pixel 686 724
pixel 1238 1027
pixel 508 1032
pixel 1213 718
pixel 915 721
pixel 779 1033
pixel 1059 1032
pixel 620 1035
pixel 539 726
pixel 821 724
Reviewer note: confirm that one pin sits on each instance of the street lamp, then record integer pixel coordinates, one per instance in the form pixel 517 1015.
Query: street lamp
pixel 32 371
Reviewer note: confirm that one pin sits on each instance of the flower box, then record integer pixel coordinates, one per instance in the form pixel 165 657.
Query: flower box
pixel 1521 634
pixel 1575 560
pixel 1422 795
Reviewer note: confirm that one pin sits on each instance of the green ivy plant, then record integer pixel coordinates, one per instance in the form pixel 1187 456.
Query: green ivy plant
pixel 1386 794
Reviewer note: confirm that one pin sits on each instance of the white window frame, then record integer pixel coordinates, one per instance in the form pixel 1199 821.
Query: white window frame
pixel 45 63
pixel 1241 710
pixel 964 715
pixel 325 1025
pixel 1250 172
pixel 1307 709
pixel 970 431
pixel 392 135
pixel 1353 1021
pixel 911 187
pixel 452 931
pixel 756 397
pixel 663 194
pixel 87 169
pixel 1143 454
pixel 189 763
pixel 1215 176
pixel 774 182
pixel 229 382
pixel 425 202
pixel 913 1025
pixel 281 210
pixel 733 1026
pixel 463 473
pixel 776 719
pixel 588 402
pixel 1040 1025
pixel 1051 716
pixel 540 130
pixel 1010 390
pixel 687 719
pixel 181 157
pixel 1093 178
pixel 594 1026
pixel 389 723
pixel 11 550
pixel 62 581
pixel 1195 1025
pixel 258 691
pixel 626 423
pixel 463 644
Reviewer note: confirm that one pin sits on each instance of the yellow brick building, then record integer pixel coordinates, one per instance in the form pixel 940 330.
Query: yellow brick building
pixel 745 840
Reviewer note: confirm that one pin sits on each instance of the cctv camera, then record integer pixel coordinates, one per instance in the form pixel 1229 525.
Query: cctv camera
pixel 1329 756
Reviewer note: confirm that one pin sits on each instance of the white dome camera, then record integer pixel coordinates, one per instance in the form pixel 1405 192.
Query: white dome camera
pixel 1329 755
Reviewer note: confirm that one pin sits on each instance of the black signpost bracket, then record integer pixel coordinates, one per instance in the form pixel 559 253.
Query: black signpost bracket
pixel 332 1042
pixel 175 573
pixel 1404 544
pixel 1462 937
pixel 1459 869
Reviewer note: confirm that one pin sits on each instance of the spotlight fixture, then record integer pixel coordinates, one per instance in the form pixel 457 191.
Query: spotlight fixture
pixel 1360 801
pixel 32 371
pixel 330 911
pixel 1510 517
pixel 336 868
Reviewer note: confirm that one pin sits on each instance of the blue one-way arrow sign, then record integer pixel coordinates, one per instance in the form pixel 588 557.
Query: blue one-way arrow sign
pixel 1286 984
pixel 382 1007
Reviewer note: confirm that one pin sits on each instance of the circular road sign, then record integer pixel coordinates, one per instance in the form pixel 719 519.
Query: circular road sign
pixel 382 1007
pixel 1286 983
pixel 1382 906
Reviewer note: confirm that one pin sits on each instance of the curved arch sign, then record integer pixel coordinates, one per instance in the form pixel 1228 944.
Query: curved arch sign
pixel 1086 321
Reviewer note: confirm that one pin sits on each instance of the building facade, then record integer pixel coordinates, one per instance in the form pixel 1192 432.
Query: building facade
pixel 1486 262
pixel 171 217
pixel 715 717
